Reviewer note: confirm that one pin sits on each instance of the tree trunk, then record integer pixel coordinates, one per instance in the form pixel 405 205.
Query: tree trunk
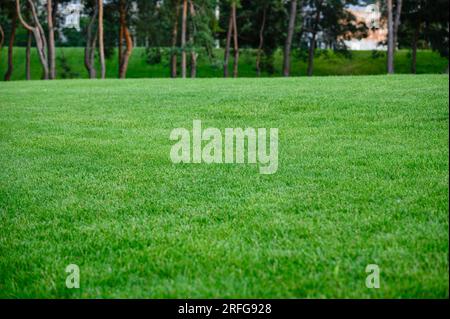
pixel 414 50
pixel 183 41
pixel 192 40
pixel 398 14
pixel 227 47
pixel 28 56
pixel 390 58
pixel 236 43
pixel 193 65
pixel 12 38
pixel 125 35
pixel 101 43
pixel 121 32
pixel 290 35
pixel 93 70
pixel 39 36
pixel 127 54
pixel 312 48
pixel 89 52
pixel 2 39
pixel 312 45
pixel 174 62
pixel 261 43
pixel 51 41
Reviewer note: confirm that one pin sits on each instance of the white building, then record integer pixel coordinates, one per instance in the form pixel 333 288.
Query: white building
pixel 72 14
pixel 371 16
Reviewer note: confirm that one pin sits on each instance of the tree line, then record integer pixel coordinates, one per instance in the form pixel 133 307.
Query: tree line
pixel 193 27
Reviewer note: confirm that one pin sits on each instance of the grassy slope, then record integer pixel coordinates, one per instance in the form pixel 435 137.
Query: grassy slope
pixel 86 178
pixel 362 63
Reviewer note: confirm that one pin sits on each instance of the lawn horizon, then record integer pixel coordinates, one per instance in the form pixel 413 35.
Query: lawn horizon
pixel 188 79
pixel 86 178
pixel 327 63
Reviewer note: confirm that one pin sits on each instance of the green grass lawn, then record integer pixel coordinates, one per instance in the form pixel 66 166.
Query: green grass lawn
pixel 326 63
pixel 86 178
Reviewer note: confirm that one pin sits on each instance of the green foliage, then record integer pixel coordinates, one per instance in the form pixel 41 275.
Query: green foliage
pixel 430 18
pixel 66 70
pixel 380 54
pixel 154 55
pixel 335 23
pixel 250 17
pixel 154 22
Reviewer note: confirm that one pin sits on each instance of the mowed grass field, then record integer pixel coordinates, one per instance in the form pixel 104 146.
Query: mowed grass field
pixel 86 178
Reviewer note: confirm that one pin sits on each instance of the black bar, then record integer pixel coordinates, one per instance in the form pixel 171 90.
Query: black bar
pixel 227 308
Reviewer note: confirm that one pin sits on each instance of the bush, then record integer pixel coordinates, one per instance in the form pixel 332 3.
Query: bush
pixel 377 54
pixel 66 70
pixel 154 55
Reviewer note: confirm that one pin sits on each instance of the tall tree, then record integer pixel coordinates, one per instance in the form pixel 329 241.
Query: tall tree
pixel 101 41
pixel 314 30
pixel 261 25
pixel 227 47
pixel 2 39
pixel 39 35
pixel 183 39
pixel 28 47
pixel 51 41
pixel 174 60
pixel 397 21
pixel 28 56
pixel 414 46
pixel 413 16
pixel 424 25
pixel 91 40
pixel 261 40
pixel 391 44
pixel 12 38
pixel 330 23
pixel 235 38
pixel 193 32
pixel 437 27
pixel 290 35
pixel 232 33
pixel 124 35
pixel 203 22
pixel 196 32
